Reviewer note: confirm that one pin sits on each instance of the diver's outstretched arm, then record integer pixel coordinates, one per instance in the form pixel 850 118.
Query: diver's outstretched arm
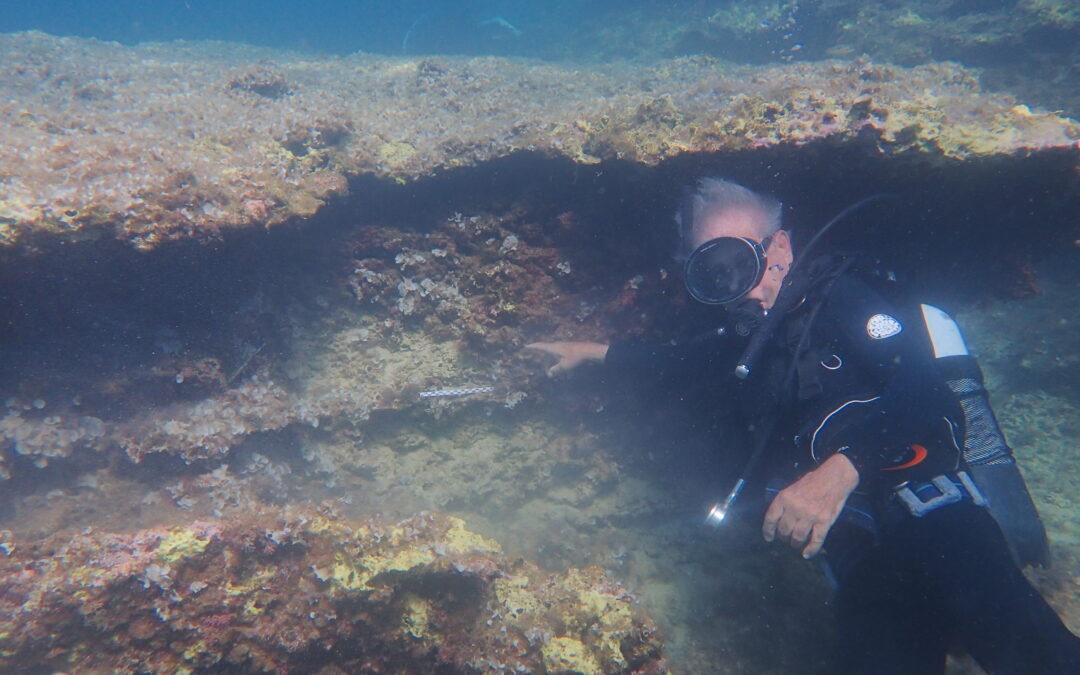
pixel 570 354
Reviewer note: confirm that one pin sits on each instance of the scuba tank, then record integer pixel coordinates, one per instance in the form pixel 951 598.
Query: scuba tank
pixel 986 453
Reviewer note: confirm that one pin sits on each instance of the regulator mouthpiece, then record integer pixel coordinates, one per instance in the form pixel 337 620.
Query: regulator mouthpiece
pixel 719 511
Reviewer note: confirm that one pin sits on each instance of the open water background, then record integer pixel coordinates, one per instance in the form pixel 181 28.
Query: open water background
pixel 321 25
pixel 1028 47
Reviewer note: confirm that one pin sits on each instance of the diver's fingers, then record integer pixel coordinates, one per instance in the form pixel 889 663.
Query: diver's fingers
pixel 817 540
pixel 800 533
pixel 547 347
pixel 785 526
pixel 565 363
pixel 555 349
pixel 772 517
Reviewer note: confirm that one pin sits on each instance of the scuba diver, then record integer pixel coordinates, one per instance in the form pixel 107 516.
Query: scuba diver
pixel 875 444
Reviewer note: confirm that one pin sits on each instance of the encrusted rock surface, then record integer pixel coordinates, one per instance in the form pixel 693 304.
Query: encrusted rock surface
pixel 411 311
pixel 162 142
pixel 305 591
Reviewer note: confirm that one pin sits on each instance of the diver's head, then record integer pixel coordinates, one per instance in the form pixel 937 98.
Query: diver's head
pixel 732 244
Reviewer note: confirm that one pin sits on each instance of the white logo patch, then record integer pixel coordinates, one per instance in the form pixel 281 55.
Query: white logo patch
pixel 881 326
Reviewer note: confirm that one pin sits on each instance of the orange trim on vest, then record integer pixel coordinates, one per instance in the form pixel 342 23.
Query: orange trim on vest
pixel 920 455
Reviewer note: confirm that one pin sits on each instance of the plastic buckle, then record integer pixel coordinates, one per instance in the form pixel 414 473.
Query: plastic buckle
pixel 950 494
pixel 977 497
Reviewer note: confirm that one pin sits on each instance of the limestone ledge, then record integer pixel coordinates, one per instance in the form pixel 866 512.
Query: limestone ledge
pixel 163 142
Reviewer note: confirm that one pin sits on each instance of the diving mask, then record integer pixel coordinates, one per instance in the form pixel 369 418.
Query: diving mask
pixel 724 269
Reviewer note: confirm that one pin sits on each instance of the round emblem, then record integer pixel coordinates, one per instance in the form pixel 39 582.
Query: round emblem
pixel 881 326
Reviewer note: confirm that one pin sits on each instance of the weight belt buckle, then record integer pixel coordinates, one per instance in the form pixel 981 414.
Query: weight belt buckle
pixel 950 494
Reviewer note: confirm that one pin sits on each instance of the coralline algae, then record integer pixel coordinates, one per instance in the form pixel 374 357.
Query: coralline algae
pixel 298 589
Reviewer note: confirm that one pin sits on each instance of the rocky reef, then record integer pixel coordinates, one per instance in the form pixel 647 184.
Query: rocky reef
pixel 306 591
pixel 164 142
pixel 1026 47
pixel 247 294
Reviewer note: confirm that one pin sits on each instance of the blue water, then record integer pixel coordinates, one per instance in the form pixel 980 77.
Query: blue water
pixel 328 26
pixel 1029 49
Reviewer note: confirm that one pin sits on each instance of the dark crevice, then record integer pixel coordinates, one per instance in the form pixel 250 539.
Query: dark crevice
pixel 961 231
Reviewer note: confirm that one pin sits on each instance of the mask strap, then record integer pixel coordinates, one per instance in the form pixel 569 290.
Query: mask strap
pixel 686 216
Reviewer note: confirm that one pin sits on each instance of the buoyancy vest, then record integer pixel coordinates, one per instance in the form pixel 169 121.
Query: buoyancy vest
pixel 965 436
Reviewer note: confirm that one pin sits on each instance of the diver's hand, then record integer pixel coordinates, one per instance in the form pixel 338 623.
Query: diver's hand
pixel 571 354
pixel 807 508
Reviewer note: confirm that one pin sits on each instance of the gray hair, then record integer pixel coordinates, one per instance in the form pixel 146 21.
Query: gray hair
pixel 713 196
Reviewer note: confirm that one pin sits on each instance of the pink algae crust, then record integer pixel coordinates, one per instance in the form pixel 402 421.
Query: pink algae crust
pixel 163 142
pixel 305 591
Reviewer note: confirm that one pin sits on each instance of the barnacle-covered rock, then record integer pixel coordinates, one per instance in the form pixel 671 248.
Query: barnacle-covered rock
pixel 305 590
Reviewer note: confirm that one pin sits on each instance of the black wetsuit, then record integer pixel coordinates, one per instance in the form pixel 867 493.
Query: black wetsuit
pixel 866 384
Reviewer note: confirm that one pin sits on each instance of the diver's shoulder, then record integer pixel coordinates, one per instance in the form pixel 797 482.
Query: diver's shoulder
pixel 866 284
pixel 869 274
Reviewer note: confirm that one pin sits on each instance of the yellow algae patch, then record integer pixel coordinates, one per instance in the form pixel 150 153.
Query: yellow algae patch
pixel 88 576
pixel 460 540
pixel 355 577
pixel 605 615
pixel 415 619
pixel 320 524
pixel 512 591
pixel 608 609
pixel 253 606
pixel 401 561
pixel 399 550
pixel 255 582
pixel 278 153
pixel 343 575
pixel 195 650
pixel 179 544
pixel 614 621
pixel 563 654
pixel 396 153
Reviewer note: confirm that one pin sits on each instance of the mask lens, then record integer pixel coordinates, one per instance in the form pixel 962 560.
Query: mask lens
pixel 725 269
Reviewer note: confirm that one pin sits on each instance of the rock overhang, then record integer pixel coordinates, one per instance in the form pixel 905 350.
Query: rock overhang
pixel 159 143
pixel 174 185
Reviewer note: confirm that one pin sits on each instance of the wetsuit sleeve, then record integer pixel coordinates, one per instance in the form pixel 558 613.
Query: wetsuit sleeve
pixel 648 361
pixel 699 361
pixel 889 344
